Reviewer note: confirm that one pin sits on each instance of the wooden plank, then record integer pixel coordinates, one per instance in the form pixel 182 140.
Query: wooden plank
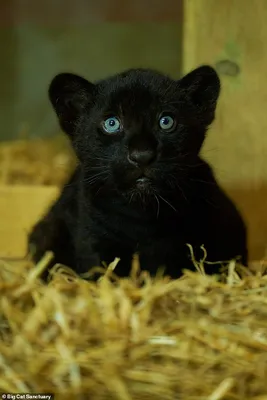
pixel 84 12
pixel 233 30
pixel 189 36
pixel 236 144
pixel 20 208
pixel 252 204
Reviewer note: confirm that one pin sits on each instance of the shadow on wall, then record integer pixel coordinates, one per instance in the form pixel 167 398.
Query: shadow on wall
pixel 252 204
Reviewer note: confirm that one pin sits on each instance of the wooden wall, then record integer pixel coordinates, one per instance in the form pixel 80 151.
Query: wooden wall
pixel 232 35
pixel 39 39
pixel 91 11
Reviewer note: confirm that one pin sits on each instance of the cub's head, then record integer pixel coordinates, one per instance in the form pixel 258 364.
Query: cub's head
pixel 138 132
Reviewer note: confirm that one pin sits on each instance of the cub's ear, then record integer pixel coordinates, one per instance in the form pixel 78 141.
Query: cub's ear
pixel 201 88
pixel 70 95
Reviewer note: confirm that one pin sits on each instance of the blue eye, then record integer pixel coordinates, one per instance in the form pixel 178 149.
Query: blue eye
pixel 112 125
pixel 166 122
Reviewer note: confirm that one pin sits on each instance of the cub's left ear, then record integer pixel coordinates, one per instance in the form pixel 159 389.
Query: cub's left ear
pixel 201 88
pixel 70 95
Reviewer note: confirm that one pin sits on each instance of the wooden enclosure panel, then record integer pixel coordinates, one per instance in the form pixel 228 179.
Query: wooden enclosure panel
pixel 51 12
pixel 236 145
pixel 20 208
pixel 252 204
pixel 233 30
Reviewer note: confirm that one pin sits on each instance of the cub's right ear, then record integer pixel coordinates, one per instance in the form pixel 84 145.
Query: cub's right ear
pixel 70 95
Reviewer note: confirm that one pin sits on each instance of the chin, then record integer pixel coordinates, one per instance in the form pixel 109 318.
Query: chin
pixel 142 191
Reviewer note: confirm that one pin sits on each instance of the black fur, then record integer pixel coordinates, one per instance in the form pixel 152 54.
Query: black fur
pixel 105 211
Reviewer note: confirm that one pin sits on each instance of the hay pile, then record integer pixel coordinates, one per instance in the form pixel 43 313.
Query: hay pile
pixel 36 162
pixel 136 338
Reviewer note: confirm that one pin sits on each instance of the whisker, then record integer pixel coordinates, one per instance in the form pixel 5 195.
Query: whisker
pixel 101 187
pixel 96 167
pixel 203 197
pixel 157 200
pixel 205 182
pixel 162 198
pixel 181 190
pixel 102 158
pixel 179 165
pixel 90 180
pixel 132 195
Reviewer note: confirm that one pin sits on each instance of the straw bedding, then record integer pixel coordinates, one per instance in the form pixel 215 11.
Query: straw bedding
pixel 136 338
pixel 133 339
pixel 36 161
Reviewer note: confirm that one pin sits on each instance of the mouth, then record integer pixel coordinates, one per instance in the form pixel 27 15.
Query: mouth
pixel 143 182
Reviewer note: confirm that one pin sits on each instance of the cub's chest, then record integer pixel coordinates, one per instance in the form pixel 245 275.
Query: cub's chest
pixel 140 231
pixel 124 230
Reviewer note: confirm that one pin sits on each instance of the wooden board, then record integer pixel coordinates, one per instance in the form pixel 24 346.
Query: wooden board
pixel 233 30
pixel 69 12
pixel 236 145
pixel 20 208
pixel 252 204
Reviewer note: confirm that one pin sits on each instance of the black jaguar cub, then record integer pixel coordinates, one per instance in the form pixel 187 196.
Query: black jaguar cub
pixel 140 186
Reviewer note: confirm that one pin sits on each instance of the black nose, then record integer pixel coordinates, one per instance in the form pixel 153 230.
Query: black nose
pixel 142 157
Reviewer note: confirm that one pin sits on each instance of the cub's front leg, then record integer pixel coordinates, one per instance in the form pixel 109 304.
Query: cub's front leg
pixel 51 234
pixel 54 231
